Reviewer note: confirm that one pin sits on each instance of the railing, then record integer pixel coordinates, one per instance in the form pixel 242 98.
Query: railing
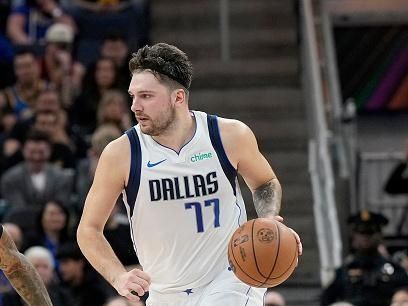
pixel 320 167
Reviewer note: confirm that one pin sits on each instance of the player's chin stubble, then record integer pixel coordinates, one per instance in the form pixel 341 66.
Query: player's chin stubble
pixel 157 127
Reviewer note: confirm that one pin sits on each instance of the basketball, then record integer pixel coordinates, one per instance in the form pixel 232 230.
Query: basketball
pixel 263 252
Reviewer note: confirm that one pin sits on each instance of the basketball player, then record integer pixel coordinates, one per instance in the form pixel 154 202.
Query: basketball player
pixel 21 274
pixel 178 172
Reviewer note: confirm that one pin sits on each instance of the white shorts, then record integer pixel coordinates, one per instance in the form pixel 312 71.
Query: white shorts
pixel 225 290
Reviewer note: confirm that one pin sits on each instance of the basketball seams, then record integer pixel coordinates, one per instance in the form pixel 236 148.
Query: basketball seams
pixel 252 269
pixel 277 277
pixel 286 271
pixel 237 265
pixel 276 256
pixel 253 249
pixel 290 267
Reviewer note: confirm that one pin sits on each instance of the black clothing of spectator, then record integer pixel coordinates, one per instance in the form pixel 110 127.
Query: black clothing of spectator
pixel 366 278
pixel 58 296
pixel 366 281
pixel 84 285
pixel 397 183
pixel 122 244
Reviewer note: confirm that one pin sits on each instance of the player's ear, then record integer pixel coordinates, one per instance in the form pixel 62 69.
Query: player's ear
pixel 180 96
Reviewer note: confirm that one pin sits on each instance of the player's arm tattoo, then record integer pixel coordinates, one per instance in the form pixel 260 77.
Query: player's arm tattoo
pixel 22 274
pixel 267 199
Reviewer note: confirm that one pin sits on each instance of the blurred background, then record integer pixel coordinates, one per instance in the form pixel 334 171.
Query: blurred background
pixel 322 83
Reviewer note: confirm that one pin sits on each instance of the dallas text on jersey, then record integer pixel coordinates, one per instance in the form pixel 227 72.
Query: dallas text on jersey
pixel 183 187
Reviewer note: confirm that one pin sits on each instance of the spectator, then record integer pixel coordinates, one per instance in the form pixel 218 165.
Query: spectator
pixel 6 62
pixel 400 297
pixel 62 149
pixel 84 285
pixel 118 236
pixel 96 82
pixel 51 230
pixel 113 109
pixel 115 47
pixel 47 101
pixel 31 183
pixel 87 166
pixel 366 276
pixel 16 101
pixel 16 235
pixel 273 298
pixel 59 67
pixel 42 261
pixel 397 182
pixel 29 20
pixel 97 18
pixel 5 6
pixel 21 273
pixel 6 49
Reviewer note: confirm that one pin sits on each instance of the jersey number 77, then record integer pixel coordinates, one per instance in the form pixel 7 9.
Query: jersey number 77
pixel 198 207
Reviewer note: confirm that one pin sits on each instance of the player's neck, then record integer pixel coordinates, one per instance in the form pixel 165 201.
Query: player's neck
pixel 180 133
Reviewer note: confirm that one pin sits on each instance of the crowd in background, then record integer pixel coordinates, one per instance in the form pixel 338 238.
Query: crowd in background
pixel 63 98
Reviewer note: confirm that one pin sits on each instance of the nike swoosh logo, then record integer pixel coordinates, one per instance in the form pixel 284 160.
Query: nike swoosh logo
pixel 151 165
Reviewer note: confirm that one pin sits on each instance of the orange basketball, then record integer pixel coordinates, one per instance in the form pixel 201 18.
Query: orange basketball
pixel 263 252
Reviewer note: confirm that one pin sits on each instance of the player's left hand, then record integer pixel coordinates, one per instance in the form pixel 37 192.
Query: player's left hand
pixel 132 284
pixel 299 243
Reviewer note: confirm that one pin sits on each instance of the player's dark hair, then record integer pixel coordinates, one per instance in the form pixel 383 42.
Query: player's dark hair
pixel 166 62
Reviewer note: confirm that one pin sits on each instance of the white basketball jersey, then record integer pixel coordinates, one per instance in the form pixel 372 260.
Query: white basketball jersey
pixel 183 207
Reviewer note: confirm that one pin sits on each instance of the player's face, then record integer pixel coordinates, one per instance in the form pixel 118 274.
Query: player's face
pixel 152 103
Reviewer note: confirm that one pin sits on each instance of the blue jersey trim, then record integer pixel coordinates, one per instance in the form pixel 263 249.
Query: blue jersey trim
pixel 240 212
pixel 216 142
pixel 132 187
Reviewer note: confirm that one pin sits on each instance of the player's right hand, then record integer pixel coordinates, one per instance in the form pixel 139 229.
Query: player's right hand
pixel 132 284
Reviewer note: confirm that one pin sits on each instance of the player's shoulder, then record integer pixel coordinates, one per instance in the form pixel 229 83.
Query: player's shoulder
pixel 233 128
pixel 118 148
pixel 237 139
pixel 232 124
pixel 115 159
